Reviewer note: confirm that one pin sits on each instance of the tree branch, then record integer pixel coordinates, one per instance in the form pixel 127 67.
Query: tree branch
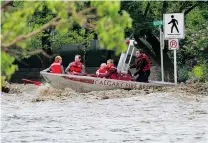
pixel 146 10
pixel 5 5
pixel 30 53
pixel 190 9
pixel 84 11
pixel 182 5
pixel 91 16
pixel 20 38
pixel 164 8
pixel 89 26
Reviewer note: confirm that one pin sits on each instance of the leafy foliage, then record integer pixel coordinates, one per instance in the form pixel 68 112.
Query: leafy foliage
pixel 195 44
pixel 113 24
pixel 199 71
pixel 25 23
pixel 73 37
pixel 197 32
pixel 7 67
pixel 183 74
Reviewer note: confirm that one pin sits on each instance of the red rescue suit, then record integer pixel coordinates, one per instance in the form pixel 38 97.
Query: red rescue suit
pixel 75 68
pixel 112 71
pixel 56 68
pixel 147 67
pixel 101 71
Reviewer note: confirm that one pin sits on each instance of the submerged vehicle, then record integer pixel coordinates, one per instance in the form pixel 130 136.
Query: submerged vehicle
pixel 91 82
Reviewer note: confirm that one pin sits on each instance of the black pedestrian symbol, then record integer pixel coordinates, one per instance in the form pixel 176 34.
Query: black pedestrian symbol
pixel 174 22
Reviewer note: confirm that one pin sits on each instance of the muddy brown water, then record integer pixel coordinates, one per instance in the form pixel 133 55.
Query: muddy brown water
pixel 136 117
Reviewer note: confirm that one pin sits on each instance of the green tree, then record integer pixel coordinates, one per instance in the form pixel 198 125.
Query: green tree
pixel 144 13
pixel 78 36
pixel 196 42
pixel 18 30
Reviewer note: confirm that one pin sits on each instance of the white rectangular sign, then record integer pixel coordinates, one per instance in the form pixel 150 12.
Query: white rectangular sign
pixel 173 44
pixel 174 26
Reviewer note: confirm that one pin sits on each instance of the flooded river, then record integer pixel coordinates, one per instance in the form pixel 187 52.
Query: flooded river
pixel 155 117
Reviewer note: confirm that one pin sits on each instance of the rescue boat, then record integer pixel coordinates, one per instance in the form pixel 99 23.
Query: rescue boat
pixel 91 82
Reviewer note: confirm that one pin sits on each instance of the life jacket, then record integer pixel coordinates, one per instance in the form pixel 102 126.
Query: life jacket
pixel 114 74
pixel 76 67
pixel 56 68
pixel 147 67
pixel 101 71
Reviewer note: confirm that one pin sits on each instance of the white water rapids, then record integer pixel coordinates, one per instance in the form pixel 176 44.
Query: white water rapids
pixel 124 116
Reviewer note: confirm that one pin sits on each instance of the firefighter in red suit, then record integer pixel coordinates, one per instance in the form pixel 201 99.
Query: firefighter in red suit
pixel 142 65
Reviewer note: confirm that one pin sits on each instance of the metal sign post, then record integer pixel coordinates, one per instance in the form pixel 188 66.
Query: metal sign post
pixel 161 52
pixel 173 44
pixel 160 23
pixel 175 67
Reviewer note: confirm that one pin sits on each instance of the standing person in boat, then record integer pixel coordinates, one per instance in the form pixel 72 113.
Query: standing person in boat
pixel 56 66
pixel 111 70
pixel 142 65
pixel 76 67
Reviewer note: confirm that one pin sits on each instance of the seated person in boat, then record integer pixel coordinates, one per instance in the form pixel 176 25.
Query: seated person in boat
pixel 56 66
pixel 102 70
pixel 111 70
pixel 76 67
pixel 142 65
